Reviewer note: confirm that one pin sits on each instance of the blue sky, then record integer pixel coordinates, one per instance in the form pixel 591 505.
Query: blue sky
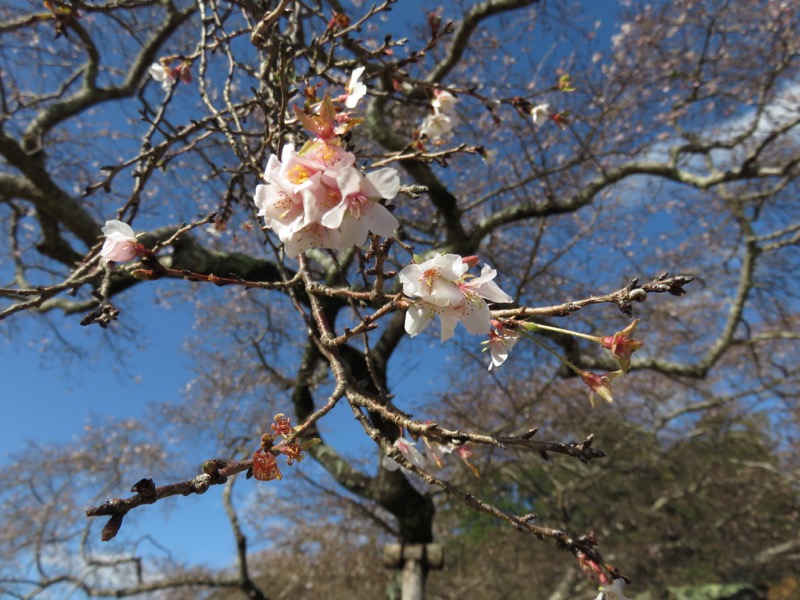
pixel 50 401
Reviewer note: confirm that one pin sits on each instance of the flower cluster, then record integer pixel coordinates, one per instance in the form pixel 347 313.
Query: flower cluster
pixel 443 119
pixel 265 464
pixel 441 286
pixel 433 454
pixel 315 197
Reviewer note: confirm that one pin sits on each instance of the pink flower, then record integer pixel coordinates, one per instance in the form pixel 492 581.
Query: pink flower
pixel 280 200
pixel 359 210
pixel 444 102
pixel 599 385
pixel 409 452
pixel 315 198
pixel 121 244
pixel 440 286
pixel 622 346
pixel 436 126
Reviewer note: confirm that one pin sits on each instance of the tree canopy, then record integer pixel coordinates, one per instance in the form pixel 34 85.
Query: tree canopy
pixel 542 255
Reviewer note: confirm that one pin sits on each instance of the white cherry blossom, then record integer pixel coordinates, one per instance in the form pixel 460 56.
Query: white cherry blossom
pixel 121 244
pixel 613 591
pixel 500 344
pixel 355 89
pixel 440 286
pixel 540 113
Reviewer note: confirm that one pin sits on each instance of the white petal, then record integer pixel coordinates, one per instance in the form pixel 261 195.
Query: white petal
pixel 449 322
pixel 411 278
pixel 386 183
pixel 349 181
pixel 118 230
pixel 381 221
pixel 476 316
pixel 445 293
pixel 418 317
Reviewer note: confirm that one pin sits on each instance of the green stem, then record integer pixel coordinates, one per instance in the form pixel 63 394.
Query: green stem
pixel 594 338
pixel 563 359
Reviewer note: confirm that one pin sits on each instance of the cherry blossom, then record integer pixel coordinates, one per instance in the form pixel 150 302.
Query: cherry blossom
pixel 440 286
pixel 409 452
pixel 622 346
pixel 443 119
pixel 121 244
pixel 612 591
pixel 355 89
pixel 359 211
pixel 436 126
pixel 315 198
pixel 540 114
pixel 599 385
pixel 444 102
pixel 501 341
pixel 167 76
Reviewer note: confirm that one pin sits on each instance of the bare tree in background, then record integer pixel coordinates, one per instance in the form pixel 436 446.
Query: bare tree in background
pixel 598 177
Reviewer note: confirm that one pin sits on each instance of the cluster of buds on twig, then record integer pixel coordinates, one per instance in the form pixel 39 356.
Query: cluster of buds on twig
pixel 265 464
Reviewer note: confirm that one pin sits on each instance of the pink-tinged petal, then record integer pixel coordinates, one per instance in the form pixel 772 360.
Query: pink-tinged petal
pixel 158 71
pixel 444 102
pixel 349 181
pixel 540 114
pixel 355 89
pixel 120 244
pixel 312 235
pixel 451 266
pixel 119 250
pixel 384 183
pixel 498 352
pixel 500 345
pixel 436 126
pixel 613 591
pixel 418 316
pixel 333 219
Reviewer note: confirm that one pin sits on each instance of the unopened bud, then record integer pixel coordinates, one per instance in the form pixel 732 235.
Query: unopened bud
pixel 112 527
